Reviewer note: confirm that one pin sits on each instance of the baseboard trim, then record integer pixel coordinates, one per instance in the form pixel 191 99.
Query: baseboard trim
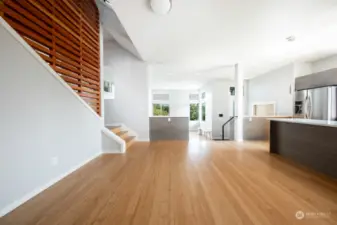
pixel 38 190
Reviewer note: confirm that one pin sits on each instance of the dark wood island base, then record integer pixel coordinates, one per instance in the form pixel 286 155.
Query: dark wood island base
pixel 313 146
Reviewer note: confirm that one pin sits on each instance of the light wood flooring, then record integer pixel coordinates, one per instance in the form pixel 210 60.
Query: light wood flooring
pixel 196 183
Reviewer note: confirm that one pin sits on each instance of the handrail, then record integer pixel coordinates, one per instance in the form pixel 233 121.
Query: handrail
pixel 223 126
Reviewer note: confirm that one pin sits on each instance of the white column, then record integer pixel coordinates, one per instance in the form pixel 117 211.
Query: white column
pixel 239 107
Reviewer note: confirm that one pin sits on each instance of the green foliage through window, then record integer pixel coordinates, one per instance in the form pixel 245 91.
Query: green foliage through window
pixel 161 110
pixel 203 111
pixel 194 112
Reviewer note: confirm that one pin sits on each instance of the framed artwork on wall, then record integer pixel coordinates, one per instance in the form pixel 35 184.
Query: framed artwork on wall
pixel 109 89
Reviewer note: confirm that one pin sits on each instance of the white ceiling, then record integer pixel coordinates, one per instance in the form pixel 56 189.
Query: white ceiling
pixel 199 35
pixel 161 77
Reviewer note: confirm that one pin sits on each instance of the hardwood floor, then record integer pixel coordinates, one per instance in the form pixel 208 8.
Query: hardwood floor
pixel 195 183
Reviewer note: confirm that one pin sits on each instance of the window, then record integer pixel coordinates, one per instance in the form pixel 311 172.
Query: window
pixel 264 109
pixel 194 97
pixel 203 111
pixel 161 110
pixel 160 97
pixel 194 112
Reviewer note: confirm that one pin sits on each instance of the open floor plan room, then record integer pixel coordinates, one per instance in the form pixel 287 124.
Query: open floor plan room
pixel 168 112
pixel 178 182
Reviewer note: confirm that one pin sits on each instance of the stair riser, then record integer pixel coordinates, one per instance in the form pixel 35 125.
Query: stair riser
pixel 124 136
pixel 128 145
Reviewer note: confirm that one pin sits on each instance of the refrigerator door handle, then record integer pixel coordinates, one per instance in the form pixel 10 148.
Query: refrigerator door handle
pixel 309 107
pixel 306 108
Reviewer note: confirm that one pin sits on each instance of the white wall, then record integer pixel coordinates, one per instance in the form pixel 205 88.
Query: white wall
pixel 179 104
pixel 130 76
pixel 306 68
pixel 46 130
pixel 324 64
pixel 218 101
pixel 273 87
pixel 245 97
pixel 222 104
pixel 302 69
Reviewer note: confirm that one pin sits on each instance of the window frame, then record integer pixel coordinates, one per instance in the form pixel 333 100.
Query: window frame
pixel 161 109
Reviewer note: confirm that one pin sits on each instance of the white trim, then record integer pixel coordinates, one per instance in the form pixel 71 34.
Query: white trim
pixel 30 50
pixel 194 102
pixel 116 138
pixel 239 106
pixel 264 103
pixel 38 190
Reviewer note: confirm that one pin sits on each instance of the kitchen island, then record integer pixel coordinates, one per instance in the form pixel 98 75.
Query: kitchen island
pixel 312 143
pixel 169 128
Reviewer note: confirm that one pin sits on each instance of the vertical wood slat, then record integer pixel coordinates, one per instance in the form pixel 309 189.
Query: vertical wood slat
pixel 81 52
pixel 65 33
pixel 1 7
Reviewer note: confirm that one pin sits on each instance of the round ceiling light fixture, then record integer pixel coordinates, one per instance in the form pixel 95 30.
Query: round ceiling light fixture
pixel 161 7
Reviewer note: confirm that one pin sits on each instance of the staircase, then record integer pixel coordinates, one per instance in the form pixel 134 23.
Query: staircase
pixel 123 134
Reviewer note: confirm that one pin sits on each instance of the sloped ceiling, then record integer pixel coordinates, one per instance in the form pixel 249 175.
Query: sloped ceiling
pixel 200 35
pixel 113 29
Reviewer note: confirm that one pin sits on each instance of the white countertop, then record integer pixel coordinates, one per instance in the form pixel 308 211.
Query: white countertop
pixel 325 123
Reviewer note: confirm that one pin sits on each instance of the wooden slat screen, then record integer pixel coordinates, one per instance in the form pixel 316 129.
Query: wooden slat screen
pixel 65 33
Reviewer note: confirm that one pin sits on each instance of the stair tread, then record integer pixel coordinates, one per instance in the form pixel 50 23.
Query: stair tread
pixel 129 138
pixel 122 132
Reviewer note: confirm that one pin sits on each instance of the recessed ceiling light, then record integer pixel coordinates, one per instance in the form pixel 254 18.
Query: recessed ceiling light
pixel 291 38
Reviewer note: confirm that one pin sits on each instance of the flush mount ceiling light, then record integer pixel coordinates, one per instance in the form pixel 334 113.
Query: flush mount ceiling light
pixel 291 38
pixel 161 7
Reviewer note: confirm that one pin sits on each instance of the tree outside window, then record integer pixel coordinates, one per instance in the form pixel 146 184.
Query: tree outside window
pixel 161 110
pixel 194 112
pixel 203 111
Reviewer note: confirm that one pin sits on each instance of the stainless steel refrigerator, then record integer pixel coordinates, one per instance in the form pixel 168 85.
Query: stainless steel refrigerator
pixel 316 103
